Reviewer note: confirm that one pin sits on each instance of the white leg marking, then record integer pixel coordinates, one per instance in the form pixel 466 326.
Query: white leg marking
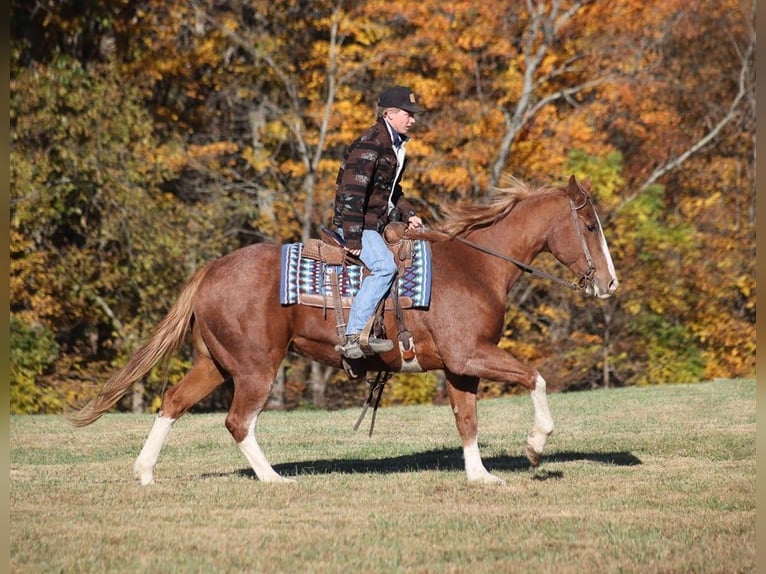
pixel 474 467
pixel 543 426
pixel 143 467
pixel 256 458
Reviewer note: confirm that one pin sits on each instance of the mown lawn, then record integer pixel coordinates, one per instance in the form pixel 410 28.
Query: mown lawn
pixel 657 479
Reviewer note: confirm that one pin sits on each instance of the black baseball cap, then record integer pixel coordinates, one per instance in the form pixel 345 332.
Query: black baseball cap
pixel 400 97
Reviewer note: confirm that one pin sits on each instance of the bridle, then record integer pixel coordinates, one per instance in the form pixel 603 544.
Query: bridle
pixel 584 281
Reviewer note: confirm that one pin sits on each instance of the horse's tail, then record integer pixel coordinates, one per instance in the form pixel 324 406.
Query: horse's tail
pixel 167 338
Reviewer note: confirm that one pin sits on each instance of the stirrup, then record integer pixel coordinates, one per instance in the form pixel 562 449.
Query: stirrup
pixel 350 348
pixel 380 345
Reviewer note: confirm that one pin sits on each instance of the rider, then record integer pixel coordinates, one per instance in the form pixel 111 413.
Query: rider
pixel 367 196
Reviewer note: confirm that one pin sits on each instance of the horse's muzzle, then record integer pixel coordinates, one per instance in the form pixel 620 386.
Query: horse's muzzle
pixel 594 289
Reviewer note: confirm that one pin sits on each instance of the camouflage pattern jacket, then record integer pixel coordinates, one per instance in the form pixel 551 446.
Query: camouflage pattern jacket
pixel 367 186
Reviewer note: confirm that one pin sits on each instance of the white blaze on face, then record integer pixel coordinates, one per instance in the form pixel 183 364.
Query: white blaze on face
pixel 613 283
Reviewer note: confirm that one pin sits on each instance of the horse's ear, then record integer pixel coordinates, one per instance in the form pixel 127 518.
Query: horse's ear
pixel 576 188
pixel 573 189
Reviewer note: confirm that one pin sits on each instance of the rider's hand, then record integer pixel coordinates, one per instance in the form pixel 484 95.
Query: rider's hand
pixel 414 222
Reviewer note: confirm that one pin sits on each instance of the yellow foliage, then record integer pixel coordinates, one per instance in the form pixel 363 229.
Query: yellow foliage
pixel 259 159
pixel 173 157
pixel 212 150
pixel 746 285
pixel 410 389
pixel 294 169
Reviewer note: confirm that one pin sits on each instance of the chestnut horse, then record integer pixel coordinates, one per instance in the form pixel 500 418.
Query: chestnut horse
pixel 241 331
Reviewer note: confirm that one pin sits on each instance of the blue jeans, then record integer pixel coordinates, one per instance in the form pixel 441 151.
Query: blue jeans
pixel 379 260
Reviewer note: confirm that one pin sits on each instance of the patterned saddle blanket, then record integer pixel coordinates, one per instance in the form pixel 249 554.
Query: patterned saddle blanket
pixel 309 282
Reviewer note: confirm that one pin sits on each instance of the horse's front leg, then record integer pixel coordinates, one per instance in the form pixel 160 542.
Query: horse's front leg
pixel 492 363
pixel 462 397
pixel 543 426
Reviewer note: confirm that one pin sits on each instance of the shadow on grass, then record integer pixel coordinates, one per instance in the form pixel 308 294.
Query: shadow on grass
pixel 444 459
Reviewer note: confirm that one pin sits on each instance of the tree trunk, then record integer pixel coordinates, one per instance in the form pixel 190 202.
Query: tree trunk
pixel 137 404
pixel 277 395
pixel 318 385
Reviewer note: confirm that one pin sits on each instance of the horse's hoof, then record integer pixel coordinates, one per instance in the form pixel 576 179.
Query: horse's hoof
pixel 487 479
pixel 146 480
pixel 144 476
pixel 532 456
pixel 277 479
pixel 492 479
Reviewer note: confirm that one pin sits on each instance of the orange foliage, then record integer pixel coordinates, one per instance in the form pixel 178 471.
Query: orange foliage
pixel 252 104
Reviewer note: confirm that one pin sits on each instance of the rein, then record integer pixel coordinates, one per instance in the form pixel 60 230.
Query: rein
pixel 576 286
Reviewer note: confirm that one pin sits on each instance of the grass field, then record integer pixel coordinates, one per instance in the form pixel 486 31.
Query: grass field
pixel 658 479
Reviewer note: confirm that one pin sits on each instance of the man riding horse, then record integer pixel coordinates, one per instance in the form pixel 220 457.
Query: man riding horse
pixel 368 195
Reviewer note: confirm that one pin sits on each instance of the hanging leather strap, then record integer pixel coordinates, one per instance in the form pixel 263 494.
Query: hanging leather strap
pixel 406 344
pixel 340 321
pixel 376 390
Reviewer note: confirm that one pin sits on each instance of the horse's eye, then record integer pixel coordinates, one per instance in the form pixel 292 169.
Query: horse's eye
pixel 591 228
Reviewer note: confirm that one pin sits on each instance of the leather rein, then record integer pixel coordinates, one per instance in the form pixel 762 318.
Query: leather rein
pixel 578 285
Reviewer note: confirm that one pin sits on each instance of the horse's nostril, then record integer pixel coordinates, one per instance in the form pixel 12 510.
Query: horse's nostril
pixel 613 284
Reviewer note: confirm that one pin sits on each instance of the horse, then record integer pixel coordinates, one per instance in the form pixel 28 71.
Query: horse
pixel 241 331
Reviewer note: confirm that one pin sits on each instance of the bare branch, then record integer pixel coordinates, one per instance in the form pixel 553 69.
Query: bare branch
pixel 543 25
pixel 677 161
pixel 566 94
pixel 294 120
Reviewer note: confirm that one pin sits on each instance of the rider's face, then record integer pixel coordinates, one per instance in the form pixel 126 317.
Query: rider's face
pixel 401 120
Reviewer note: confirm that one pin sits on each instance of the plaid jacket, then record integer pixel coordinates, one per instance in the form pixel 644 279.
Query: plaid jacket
pixel 365 181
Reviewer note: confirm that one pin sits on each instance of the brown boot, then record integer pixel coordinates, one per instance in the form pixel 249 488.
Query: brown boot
pixel 351 349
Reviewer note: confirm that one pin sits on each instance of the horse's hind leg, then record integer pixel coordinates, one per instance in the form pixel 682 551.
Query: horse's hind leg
pixel 199 382
pixel 543 425
pixel 250 396
pixel 143 467
pixel 462 396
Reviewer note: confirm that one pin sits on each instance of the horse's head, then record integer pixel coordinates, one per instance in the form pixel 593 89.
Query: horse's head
pixel 578 242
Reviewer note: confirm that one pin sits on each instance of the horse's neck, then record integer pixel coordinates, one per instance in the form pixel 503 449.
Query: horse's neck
pixel 520 235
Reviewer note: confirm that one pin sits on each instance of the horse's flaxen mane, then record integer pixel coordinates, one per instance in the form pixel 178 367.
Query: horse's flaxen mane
pixel 460 219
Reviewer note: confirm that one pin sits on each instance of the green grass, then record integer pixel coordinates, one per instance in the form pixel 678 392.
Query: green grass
pixel 654 479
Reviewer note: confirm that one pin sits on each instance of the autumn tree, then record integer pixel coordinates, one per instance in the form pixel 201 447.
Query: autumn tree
pixel 150 137
pixel 92 235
